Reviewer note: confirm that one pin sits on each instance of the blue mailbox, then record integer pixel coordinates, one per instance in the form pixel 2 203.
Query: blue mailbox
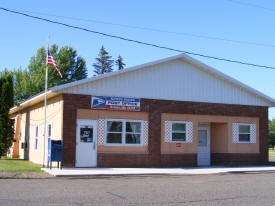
pixel 54 152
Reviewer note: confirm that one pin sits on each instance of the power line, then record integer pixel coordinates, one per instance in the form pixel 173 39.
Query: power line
pixel 252 5
pixel 154 29
pixel 136 41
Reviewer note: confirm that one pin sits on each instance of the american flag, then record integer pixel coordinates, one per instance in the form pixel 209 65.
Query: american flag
pixel 51 61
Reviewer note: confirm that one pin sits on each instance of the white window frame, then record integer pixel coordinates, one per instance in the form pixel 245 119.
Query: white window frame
pixel 171 131
pixel 123 133
pixel 106 132
pixel 36 137
pixel 244 124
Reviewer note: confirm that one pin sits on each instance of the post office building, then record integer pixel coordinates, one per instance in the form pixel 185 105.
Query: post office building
pixel 173 112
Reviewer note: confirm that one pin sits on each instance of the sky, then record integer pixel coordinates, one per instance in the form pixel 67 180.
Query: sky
pixel 240 30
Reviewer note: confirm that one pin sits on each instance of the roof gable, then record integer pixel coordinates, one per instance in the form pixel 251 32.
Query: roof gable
pixel 179 78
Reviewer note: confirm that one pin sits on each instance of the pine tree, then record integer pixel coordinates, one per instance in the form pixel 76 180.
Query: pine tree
pixel 104 62
pixel 6 124
pixel 119 62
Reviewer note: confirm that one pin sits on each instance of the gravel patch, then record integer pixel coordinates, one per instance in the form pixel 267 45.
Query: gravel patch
pixel 24 175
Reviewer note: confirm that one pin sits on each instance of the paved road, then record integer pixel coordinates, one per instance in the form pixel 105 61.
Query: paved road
pixel 222 189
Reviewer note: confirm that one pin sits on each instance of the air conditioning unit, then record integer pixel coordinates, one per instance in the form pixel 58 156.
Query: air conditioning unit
pixel 24 145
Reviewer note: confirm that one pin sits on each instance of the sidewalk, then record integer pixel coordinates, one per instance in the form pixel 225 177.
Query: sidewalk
pixel 75 172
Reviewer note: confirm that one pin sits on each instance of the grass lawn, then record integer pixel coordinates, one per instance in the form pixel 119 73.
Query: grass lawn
pixel 16 165
pixel 271 153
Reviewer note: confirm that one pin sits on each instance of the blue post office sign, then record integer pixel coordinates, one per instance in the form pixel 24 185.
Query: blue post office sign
pixel 116 103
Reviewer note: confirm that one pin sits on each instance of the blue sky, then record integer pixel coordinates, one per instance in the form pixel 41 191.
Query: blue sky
pixel 235 20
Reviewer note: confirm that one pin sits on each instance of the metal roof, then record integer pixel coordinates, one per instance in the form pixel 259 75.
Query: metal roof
pixel 58 89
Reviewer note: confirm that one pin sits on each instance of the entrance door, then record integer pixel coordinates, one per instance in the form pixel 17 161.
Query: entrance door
pixel 86 144
pixel 204 145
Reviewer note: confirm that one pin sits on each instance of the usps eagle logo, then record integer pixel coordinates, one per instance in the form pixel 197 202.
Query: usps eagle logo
pixel 98 102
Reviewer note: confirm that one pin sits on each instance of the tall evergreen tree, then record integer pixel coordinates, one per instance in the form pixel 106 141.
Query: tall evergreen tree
pixel 119 62
pixel 6 124
pixel 104 62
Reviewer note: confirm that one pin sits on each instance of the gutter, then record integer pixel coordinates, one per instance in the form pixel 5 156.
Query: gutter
pixel 32 101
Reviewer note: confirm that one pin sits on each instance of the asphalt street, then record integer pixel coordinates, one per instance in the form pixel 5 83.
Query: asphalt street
pixel 221 189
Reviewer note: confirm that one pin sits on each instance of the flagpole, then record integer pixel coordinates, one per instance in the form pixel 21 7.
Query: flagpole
pixel 45 103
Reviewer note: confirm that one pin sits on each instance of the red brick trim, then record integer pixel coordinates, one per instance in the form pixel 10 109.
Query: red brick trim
pixel 143 160
pixel 178 160
pixel 234 159
pixel 156 107
pixel 122 160
pixel 71 102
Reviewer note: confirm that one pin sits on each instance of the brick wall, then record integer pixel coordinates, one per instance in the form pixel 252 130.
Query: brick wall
pixel 156 107
pixel 122 160
pixel 154 158
pixel 241 159
pixel 71 102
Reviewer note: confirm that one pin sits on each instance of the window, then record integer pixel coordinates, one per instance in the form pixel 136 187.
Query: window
pixel 178 132
pixel 124 132
pixel 114 132
pixel 86 134
pixel 49 130
pixel 133 132
pixel 244 133
pixel 36 133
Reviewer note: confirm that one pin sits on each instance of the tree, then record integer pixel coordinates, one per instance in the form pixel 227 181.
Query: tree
pixel 72 66
pixel 22 85
pixel 104 62
pixel 6 102
pixel 32 81
pixel 4 73
pixel 119 62
pixel 271 133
